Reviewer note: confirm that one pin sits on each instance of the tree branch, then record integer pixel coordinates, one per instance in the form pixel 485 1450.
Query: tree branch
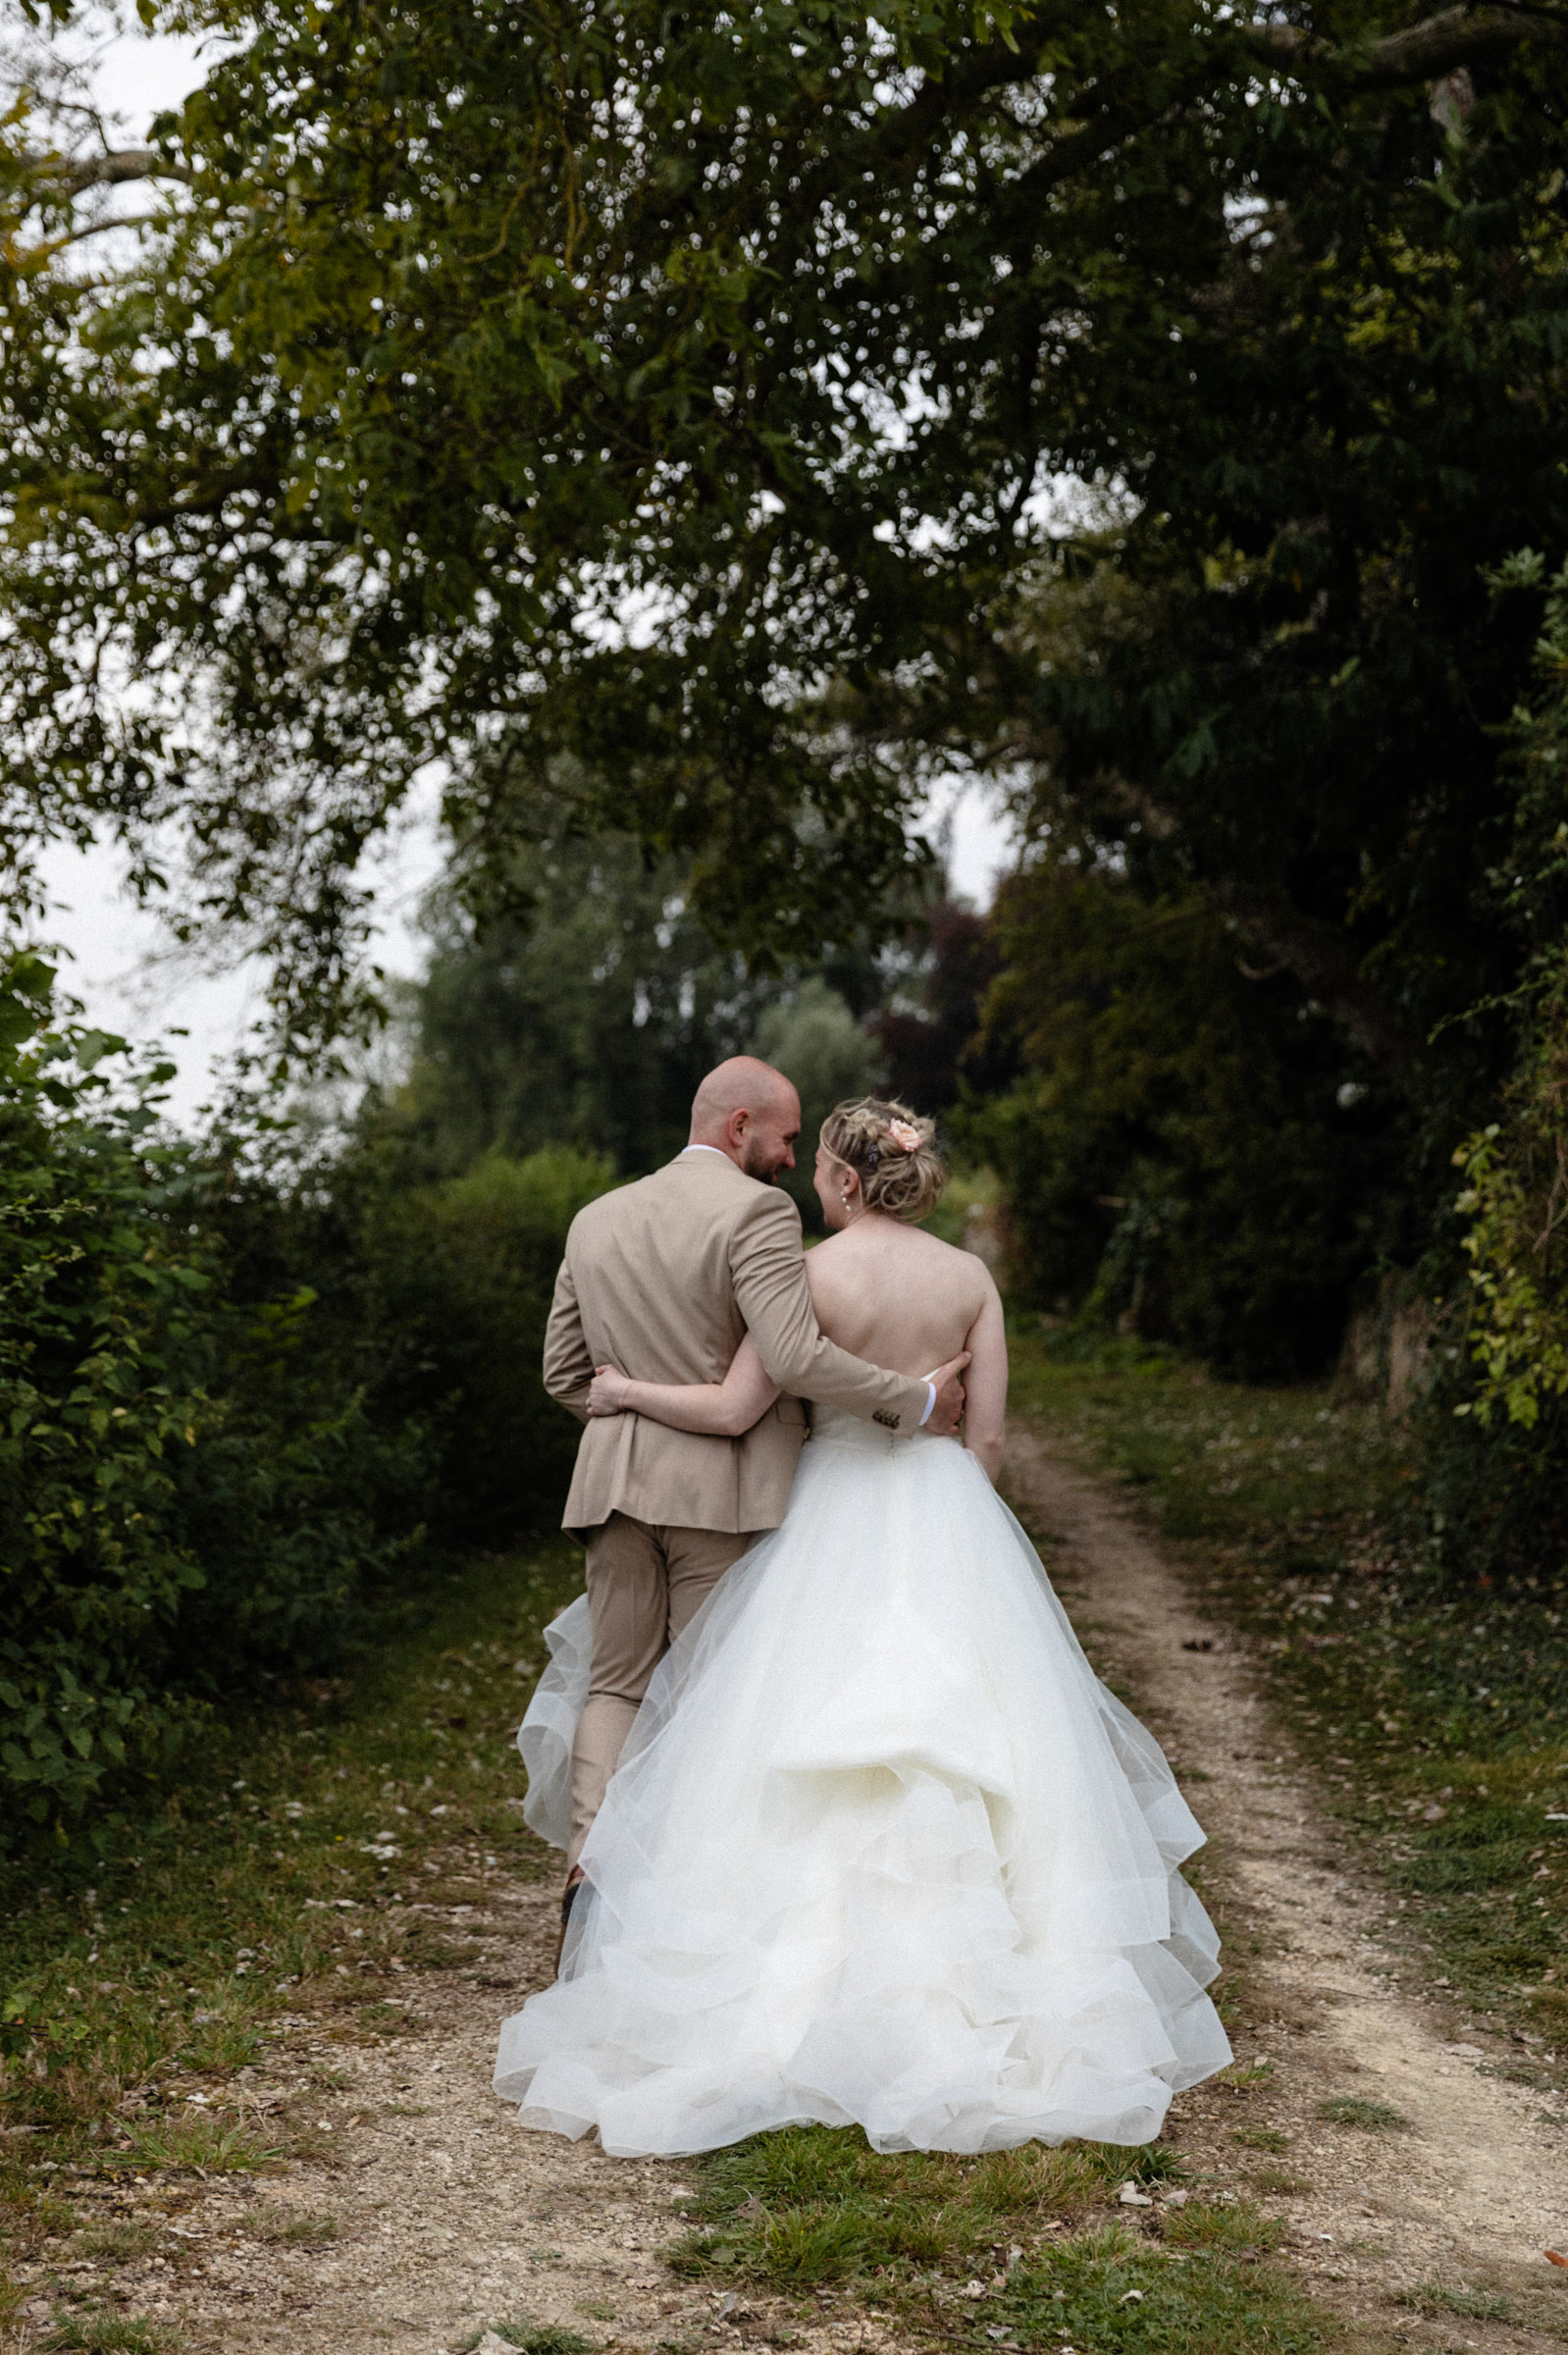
pixel 1424 52
pixel 72 175
pixel 31 255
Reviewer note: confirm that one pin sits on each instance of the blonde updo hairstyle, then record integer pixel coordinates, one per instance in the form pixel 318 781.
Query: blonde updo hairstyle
pixel 901 1183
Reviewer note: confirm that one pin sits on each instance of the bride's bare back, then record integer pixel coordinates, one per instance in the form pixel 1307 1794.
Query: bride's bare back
pixel 890 1293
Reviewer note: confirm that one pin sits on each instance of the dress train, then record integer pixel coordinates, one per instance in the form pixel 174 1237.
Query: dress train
pixel 881 1850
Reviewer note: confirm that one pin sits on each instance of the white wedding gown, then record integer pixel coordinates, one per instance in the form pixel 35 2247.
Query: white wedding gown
pixel 881 1850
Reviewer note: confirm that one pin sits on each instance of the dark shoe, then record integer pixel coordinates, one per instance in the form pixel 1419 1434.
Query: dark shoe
pixel 574 1882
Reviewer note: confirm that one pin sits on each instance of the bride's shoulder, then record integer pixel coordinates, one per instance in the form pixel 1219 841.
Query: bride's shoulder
pixel 867 1243
pixel 950 1261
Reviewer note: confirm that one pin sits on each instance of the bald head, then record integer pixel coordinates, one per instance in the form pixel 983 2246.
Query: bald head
pixel 751 1111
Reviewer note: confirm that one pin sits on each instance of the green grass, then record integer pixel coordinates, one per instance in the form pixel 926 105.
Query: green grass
pixel 1023 2246
pixel 114 2244
pixel 107 2334
pixel 202 2144
pixel 1514 2295
pixel 811 2205
pixel 1246 2076
pixel 545 2338
pixel 1109 2288
pixel 1437 1717
pixel 1374 2118
pixel 1476 2305
pixel 1280 2182
pixel 256 1899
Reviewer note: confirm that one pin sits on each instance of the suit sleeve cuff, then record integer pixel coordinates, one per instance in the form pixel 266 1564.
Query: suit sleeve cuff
pixel 930 1401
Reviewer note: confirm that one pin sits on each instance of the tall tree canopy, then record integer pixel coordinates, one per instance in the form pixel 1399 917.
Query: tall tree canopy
pixel 669 399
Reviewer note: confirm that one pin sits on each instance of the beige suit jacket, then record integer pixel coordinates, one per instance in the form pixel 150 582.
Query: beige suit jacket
pixel 662 1278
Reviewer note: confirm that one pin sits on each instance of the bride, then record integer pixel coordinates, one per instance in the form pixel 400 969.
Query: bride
pixel 881 1849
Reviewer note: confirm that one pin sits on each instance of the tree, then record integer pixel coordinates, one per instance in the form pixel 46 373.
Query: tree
pixel 929 1034
pixel 587 1014
pixel 1186 1149
pixel 1497 1416
pixel 585 1017
pixel 813 1038
pixel 670 399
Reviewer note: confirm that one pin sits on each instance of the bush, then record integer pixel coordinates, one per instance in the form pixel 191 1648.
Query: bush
pixel 187 1494
pixel 98 1301
pixel 459 1278
pixel 231 1415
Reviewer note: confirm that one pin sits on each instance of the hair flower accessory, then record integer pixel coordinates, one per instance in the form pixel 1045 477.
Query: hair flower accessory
pixel 907 1139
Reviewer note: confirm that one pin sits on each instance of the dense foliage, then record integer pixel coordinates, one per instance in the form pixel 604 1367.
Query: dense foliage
pixel 1498 1421
pixel 94 1572
pixel 232 1413
pixel 452 1288
pixel 576 391
pixel 182 1502
pixel 1188 1147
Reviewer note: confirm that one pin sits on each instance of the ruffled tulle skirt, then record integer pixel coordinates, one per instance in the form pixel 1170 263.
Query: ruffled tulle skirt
pixel 881 1850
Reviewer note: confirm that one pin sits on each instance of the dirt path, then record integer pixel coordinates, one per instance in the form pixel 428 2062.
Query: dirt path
pixel 447 2219
pixel 1476 2187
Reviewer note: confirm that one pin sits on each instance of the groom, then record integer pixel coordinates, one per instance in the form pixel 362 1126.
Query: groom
pixel 661 1278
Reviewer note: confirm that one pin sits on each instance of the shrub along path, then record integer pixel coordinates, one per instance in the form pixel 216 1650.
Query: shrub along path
pixel 265 2121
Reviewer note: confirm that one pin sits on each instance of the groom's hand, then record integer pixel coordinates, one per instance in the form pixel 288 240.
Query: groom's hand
pixel 947 1412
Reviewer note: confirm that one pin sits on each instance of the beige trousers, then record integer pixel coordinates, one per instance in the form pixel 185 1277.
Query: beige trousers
pixel 645 1582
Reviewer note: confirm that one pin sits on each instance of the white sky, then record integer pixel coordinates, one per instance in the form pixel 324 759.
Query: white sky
pixel 119 961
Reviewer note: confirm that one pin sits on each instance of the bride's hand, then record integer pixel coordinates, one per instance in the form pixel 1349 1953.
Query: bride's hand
pixel 606 1395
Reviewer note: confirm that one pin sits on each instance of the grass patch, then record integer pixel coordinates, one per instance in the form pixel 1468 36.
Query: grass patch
pixel 545 2338
pixel 1234 2224
pixel 815 2204
pixel 247 1901
pixel 1013 2246
pixel 1246 2076
pixel 201 2144
pixel 29 2216
pixel 1374 2118
pixel 1436 1715
pixel 1108 2289
pixel 388 2019
pixel 1476 2305
pixel 114 2244
pixel 99 2333
pixel 1261 2139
